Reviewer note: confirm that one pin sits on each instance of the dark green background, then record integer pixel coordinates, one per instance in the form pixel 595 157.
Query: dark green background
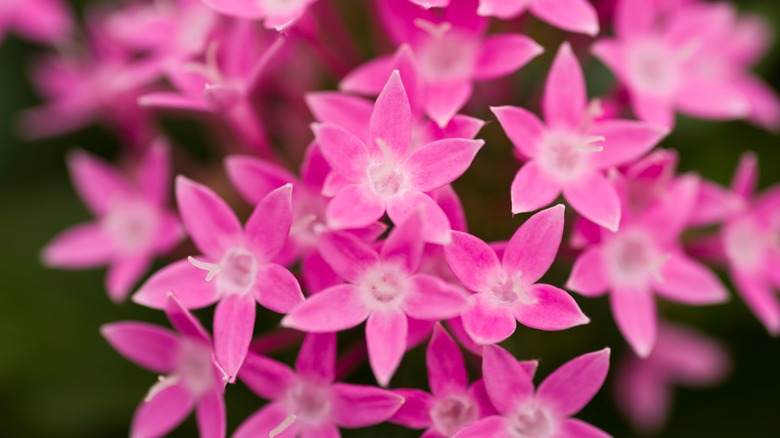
pixel 59 378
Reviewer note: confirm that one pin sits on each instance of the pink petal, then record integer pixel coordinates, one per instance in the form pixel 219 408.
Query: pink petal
pixel 181 278
pixel 317 274
pixel 211 415
pixel 575 383
pixel 96 181
pixel 277 288
pixel 533 247
pixel 346 154
pixel 642 396
pixel 436 226
pixel 45 21
pixel 369 78
pixel 635 314
pixel 712 99
pixel 667 218
pixel 595 198
pixel 634 18
pixel 350 112
pixel 234 322
pixel 317 357
pixel 386 340
pixel 237 8
pixel 334 309
pixel 472 261
pixel 574 428
pixel 588 276
pixel 183 321
pixel 503 54
pixel 357 406
pixel 507 383
pixel 347 255
pixel 551 309
pixel 391 120
pixel 626 140
pixel 437 164
pixel 523 128
pixel 211 224
pixel 155 167
pixel 533 188
pixel 432 299
pixel 479 392
pixel 166 100
pixel 689 282
pixel 746 176
pixel 445 99
pixel 446 369
pixel 565 96
pixel 760 298
pixel 169 233
pixel 658 110
pixel 321 431
pixel 355 206
pixel 265 420
pixel 82 246
pixel 149 346
pixel 502 8
pixel 266 377
pixel 163 413
pixel 255 178
pixel 415 412
pixel 487 323
pixel 493 427
pixel 123 273
pixel 573 15
pixel 404 245
pixel 450 204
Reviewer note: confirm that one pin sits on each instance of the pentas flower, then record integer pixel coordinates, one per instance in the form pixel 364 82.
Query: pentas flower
pixel 643 258
pixel 571 152
pixel 43 21
pixel 546 412
pixel 276 14
pixel 454 403
pixel 236 268
pixel 683 357
pixel 384 175
pixel 572 15
pixel 383 288
pixel 451 51
pixel 306 402
pixel 506 290
pixel 134 223
pixel 693 60
pixel 190 377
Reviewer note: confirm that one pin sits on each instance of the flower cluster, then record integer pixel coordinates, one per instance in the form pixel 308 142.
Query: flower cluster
pixel 370 229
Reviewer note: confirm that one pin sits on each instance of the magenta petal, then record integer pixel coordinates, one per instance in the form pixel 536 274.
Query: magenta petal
pixel 350 112
pixel 355 206
pixel 317 357
pixel 357 406
pixel 237 8
pixel 82 246
pixel 149 346
pixel 501 8
pixel 758 295
pixel 635 315
pixel 334 309
pixel 550 309
pixel 573 15
pixel 436 225
pixel 156 165
pixel 368 78
pixel 634 18
pixel 575 383
pixel 234 322
pixel 446 369
pixel 745 177
pixel 595 198
pixel 415 412
pixel 565 96
pixel 255 178
pixel 123 273
pixel 347 255
pixel 96 181
pixel 277 288
pixel 503 54
pixel 687 281
pixel 532 249
pixel 445 99
pixel 405 244
pixel 211 224
pixel 322 431
pixel 507 383
pixel 386 340
pixel 523 128
pixel 472 261
pixel 626 140
pixel 265 420
pixel 266 377
pixel 163 413
pixel 588 276
pixel 487 323
pixel 432 299
pixel 653 109
pixel 437 164
pixel 712 99
pixel 391 120
pixel 574 428
pixel 211 415
pixel 533 188
pixel 181 278
pixel 493 427
pixel 345 152
pixel 184 322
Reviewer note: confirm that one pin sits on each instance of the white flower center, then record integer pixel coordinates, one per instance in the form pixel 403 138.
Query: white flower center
pixel 653 68
pixel 383 287
pixel 452 414
pixel 385 178
pixel 310 402
pixel 633 258
pixel 532 421
pixel 565 155
pixel 507 290
pixel 131 225
pixel 194 370
pixel 447 55
pixel 278 7
pixel 235 273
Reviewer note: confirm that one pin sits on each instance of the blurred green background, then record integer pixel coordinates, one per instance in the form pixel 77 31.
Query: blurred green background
pixel 59 378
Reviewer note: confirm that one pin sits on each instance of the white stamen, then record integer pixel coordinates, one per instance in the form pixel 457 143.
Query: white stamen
pixel 287 422
pixel 435 30
pixel 655 268
pixel 163 382
pixel 212 268
pixel 587 144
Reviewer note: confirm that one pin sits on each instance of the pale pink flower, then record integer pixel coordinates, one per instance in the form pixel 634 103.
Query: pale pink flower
pixel 383 289
pixel 236 268
pixel 276 14
pixel 543 413
pixel 572 151
pixel 572 15
pixel 306 402
pixel 643 258
pixel 384 175
pixel 43 21
pixel 190 378
pixel 133 222
pixel 427 4
pixel 683 357
pixel 506 289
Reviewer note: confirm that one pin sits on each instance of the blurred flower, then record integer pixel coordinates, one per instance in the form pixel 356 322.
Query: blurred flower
pixel 572 15
pixel 42 21
pixel 276 14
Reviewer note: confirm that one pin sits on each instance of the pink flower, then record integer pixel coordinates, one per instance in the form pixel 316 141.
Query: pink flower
pixel 570 154
pixel 276 14
pixel 44 21
pixel 683 357
pixel 546 412
pixel 190 377
pixel 133 222
pixel 384 175
pixel 572 15
pixel 454 403
pixel 384 289
pixel 237 263
pixel 506 290
pixel 645 256
pixel 450 51
pixel 306 402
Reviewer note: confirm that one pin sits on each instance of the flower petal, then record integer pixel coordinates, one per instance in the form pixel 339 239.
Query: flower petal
pixel 209 221
pixel 277 288
pixel 96 182
pixel 551 309
pixel 436 225
pixel 345 152
pixel 211 415
pixel 532 249
pixel 493 426
pixel 347 255
pixel 503 54
pixel 234 322
pixel 507 383
pixel 445 99
pixel 368 78
pixel 123 273
pixel 415 412
pixel 446 368
pixel 334 309
pixel 758 295
pixel 355 206
pixel 523 128
pixel 391 120
pixel 264 421
pixel 472 261
pixel 626 140
pixel 569 388
pixel 574 428
pixel 432 299
pixel 161 414
pixel 588 276
pixel 635 315
pixel 254 178
pixel 533 188
pixel 317 357
pixel 687 281
pixel 266 377
pixel 572 15
pixel 404 245
pixel 147 345
pixel 595 198
pixel 565 97
pixel 360 406
pixel 155 167
pixel 183 321
pixel 437 164
pixel 350 112
pixel 386 340
pixel 82 246
pixel 181 278
pixel 487 323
